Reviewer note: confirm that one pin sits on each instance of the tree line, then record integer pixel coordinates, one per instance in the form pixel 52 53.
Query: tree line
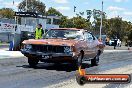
pixel 114 27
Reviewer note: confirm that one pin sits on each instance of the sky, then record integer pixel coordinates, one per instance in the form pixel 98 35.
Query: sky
pixel 113 8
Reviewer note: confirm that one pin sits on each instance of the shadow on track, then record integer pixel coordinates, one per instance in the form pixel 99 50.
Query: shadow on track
pixel 58 67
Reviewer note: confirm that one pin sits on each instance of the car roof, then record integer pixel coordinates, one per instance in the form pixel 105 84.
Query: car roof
pixel 66 29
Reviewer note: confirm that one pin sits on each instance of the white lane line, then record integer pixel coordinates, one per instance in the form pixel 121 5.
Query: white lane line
pixel 10 54
pixel 15 53
pixel 116 50
pixel 4 56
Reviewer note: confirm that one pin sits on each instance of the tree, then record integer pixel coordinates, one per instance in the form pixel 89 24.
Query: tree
pixel 115 28
pixel 128 31
pixel 6 13
pixel 63 19
pixel 63 22
pixel 75 22
pixel 32 6
pixel 130 35
pixel 80 22
pixel 52 11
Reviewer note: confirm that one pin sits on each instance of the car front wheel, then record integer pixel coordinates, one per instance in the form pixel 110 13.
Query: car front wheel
pixel 78 61
pixel 33 62
pixel 95 61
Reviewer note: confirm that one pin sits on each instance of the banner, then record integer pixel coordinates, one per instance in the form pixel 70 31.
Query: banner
pixel 6 27
pixel 14 28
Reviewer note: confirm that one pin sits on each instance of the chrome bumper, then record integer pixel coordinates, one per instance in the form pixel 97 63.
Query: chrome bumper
pixel 41 54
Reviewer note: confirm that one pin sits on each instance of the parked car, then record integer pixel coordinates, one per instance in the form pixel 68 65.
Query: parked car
pixel 128 43
pixel 112 42
pixel 63 45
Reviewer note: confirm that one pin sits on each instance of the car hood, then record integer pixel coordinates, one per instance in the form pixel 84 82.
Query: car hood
pixel 70 42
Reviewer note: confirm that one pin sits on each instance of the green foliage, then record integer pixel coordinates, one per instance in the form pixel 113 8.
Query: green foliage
pixel 80 22
pixel 6 13
pixel 115 28
pixel 130 35
pixel 32 6
pixel 66 23
pixel 75 22
pixel 52 11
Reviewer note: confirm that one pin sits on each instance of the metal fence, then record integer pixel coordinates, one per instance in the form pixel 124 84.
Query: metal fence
pixel 6 20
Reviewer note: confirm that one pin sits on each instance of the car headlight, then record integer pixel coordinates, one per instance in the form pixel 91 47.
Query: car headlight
pixel 28 47
pixel 67 50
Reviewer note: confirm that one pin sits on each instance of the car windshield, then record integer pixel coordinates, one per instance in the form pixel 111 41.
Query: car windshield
pixel 65 34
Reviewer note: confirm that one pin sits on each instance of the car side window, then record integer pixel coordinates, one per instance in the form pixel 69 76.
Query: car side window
pixel 89 37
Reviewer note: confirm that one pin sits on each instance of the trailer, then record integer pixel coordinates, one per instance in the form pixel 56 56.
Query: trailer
pixel 24 27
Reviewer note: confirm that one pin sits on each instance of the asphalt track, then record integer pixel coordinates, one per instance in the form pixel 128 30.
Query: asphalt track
pixel 15 72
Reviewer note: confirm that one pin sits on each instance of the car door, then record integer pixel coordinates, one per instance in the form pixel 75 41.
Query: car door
pixel 91 44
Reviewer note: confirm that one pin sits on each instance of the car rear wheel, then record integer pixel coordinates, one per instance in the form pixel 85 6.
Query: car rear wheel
pixel 95 61
pixel 33 62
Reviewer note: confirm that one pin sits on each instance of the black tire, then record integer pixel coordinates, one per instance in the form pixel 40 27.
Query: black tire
pixel 78 61
pixel 33 62
pixel 95 61
pixel 81 80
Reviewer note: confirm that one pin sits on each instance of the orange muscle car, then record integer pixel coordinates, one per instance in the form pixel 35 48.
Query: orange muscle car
pixel 63 45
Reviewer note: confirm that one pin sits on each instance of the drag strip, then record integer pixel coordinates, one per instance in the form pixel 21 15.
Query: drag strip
pixel 16 73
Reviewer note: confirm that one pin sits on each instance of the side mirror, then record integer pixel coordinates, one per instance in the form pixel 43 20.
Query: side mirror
pixel 31 36
pixel 82 39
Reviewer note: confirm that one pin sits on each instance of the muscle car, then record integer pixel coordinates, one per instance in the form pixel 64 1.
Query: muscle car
pixel 63 45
